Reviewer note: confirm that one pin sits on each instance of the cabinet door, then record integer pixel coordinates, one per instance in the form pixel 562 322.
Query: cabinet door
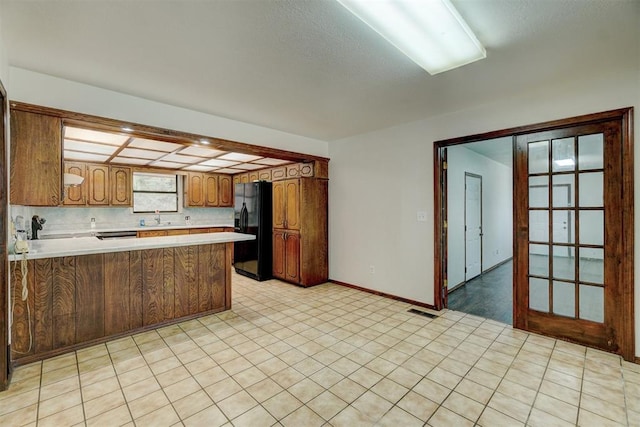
pixel 306 169
pixel 211 197
pixel 264 175
pixel 225 191
pixel 195 189
pixel 244 178
pixel 98 185
pixel 120 178
pixel 279 251
pixel 75 195
pixel 253 176
pixel 278 173
pixel 36 159
pixel 278 199
pixel 292 204
pixel 293 170
pixel 292 257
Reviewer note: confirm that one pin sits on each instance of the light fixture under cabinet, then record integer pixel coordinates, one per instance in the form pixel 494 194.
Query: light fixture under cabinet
pixel 72 180
pixel 430 32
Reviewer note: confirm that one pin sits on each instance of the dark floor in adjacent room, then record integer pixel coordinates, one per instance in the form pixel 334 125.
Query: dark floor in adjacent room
pixel 489 295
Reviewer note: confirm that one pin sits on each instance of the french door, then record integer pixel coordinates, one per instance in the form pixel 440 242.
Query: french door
pixel 572 234
pixel 573 228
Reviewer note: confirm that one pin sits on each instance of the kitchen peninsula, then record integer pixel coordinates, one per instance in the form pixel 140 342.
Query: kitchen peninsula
pixel 84 290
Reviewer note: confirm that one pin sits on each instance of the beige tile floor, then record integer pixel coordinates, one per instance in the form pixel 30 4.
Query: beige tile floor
pixel 324 356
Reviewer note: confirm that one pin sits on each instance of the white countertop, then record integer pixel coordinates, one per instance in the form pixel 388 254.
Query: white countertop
pixel 75 246
pixel 165 225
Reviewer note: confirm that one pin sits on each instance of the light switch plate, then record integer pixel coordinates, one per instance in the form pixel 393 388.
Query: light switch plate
pixel 422 216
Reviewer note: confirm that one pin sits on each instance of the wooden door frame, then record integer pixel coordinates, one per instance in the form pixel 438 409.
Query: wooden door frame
pixel 5 351
pixel 473 175
pixel 625 115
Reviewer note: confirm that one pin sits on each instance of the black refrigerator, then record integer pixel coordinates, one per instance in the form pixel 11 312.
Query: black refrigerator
pixel 252 206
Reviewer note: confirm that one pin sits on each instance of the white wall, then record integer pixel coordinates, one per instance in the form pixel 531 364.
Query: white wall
pixel 380 179
pixel 41 89
pixel 497 210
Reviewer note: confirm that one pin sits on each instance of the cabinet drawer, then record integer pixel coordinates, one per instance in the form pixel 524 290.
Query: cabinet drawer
pixel 198 230
pixel 152 233
pixel 177 232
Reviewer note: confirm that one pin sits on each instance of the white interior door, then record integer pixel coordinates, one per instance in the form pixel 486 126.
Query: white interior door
pixel 473 225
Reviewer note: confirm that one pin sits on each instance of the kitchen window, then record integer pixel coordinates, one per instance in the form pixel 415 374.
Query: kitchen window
pixel 155 192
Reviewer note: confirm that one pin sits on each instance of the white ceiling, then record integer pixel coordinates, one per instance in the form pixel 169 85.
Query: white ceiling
pixel 498 149
pixel 307 66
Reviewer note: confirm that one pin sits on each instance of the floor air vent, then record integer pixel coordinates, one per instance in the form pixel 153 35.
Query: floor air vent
pixel 422 313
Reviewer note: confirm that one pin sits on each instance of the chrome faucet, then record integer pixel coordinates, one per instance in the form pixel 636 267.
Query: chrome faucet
pixel 157 218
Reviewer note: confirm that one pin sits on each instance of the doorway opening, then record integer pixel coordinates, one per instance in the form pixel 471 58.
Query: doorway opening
pixel 479 228
pixel 572 228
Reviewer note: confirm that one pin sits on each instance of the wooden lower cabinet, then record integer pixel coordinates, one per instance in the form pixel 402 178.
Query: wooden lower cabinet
pixel 82 300
pixel 286 255
pixel 180 231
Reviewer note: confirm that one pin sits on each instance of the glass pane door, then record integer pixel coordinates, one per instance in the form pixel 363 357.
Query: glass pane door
pixel 566 226
pixel 569 233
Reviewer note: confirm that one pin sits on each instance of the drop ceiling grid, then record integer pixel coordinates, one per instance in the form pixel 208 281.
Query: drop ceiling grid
pixel 90 145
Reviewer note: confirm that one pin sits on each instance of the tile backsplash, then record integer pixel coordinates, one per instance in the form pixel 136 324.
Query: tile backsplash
pixel 78 219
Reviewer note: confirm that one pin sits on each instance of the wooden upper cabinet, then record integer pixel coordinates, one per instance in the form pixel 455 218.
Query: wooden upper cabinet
pixel 36 159
pixel 264 175
pixel 278 204
pixel 98 177
pixel 286 204
pixel 292 204
pixel 293 170
pixel 76 195
pixel 225 191
pixel 195 190
pixel 211 196
pixel 121 192
pixel 278 173
pixel 253 176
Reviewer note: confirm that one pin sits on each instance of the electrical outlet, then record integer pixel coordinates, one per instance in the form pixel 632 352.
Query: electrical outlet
pixel 372 269
pixel 422 216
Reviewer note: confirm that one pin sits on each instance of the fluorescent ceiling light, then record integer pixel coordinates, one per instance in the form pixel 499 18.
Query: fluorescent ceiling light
pixel 564 162
pixel 430 32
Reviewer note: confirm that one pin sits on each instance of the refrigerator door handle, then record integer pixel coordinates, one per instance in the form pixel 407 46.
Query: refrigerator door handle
pixel 244 218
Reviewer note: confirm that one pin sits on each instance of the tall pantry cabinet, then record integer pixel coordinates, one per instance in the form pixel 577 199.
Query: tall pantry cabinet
pixel 300 231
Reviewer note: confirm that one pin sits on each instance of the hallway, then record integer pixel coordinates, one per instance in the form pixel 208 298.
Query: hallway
pixel 489 295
